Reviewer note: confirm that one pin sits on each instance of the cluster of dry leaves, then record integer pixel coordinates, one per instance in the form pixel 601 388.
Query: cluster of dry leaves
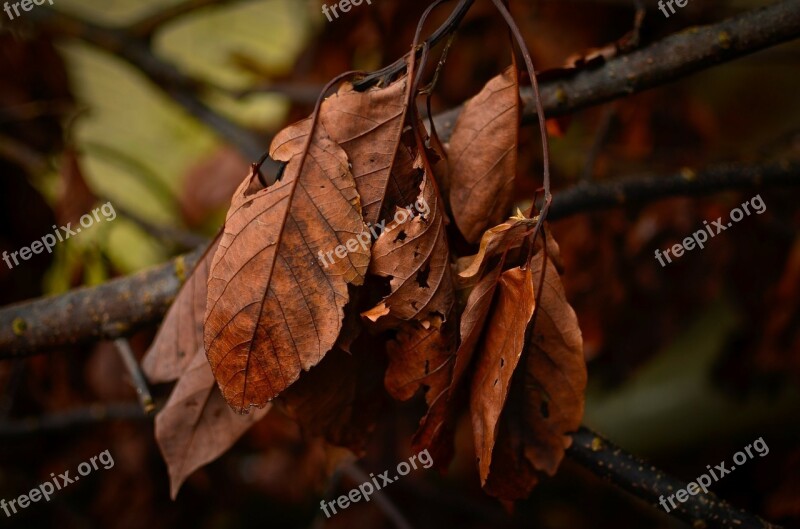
pixel 261 323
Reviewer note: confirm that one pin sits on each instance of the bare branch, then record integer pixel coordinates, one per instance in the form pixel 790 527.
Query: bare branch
pixel 649 483
pixel 119 307
pixel 137 377
pixel 669 59
pixel 78 417
pixel 107 311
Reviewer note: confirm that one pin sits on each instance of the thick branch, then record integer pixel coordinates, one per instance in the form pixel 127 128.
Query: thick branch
pixel 649 483
pixel 669 59
pixel 110 310
pixel 121 306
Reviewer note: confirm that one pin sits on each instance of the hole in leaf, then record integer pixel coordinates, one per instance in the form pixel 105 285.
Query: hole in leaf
pixel 545 409
pixel 422 276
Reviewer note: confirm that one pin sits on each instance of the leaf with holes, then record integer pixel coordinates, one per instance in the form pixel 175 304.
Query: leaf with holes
pixel 501 349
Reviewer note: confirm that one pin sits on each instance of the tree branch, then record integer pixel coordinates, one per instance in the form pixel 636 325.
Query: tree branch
pixel 69 419
pixel 121 306
pixel 669 59
pixel 110 310
pixel 649 483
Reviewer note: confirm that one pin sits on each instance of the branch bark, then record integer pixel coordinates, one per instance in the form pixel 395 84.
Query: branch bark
pixel 121 306
pixel 649 483
pixel 667 60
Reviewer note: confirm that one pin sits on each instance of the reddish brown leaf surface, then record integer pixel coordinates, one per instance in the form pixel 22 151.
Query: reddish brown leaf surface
pixel 273 308
pixel 482 157
pixel 502 347
pixel 181 333
pixel 422 356
pixel 546 398
pixel 196 425
pixel 342 397
pixel 473 319
pixel 368 125
pixel 510 234
pixel 414 255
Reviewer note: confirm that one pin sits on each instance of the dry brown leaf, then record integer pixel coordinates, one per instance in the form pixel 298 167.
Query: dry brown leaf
pixel 510 234
pixel 368 126
pixel 196 425
pixel 546 399
pixel 482 157
pixel 502 347
pixel 341 398
pixel 273 308
pixel 422 356
pixel 414 255
pixel 181 332
pixel 473 320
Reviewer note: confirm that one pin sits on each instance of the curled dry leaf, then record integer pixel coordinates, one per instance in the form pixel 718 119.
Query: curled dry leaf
pixel 181 332
pixel 494 241
pixel 413 253
pixel 547 394
pixel 482 157
pixel 273 308
pixel 196 425
pixel 502 347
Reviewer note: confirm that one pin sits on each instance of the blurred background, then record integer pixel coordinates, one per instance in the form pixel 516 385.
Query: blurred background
pixel 688 363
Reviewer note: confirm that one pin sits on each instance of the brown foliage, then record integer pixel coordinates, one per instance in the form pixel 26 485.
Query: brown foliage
pixel 279 322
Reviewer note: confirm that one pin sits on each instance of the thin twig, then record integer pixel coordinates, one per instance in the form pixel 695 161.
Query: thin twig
pixel 70 419
pixel 137 377
pixel 649 483
pixel 119 307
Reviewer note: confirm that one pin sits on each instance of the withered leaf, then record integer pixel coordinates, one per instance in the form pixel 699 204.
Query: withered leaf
pixel 482 157
pixel 555 372
pixel 414 254
pixel 368 126
pixel 546 399
pixel 422 356
pixel 181 332
pixel 502 346
pixel 274 309
pixel 196 425
pixel 510 234
pixel 473 320
pixel 342 397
